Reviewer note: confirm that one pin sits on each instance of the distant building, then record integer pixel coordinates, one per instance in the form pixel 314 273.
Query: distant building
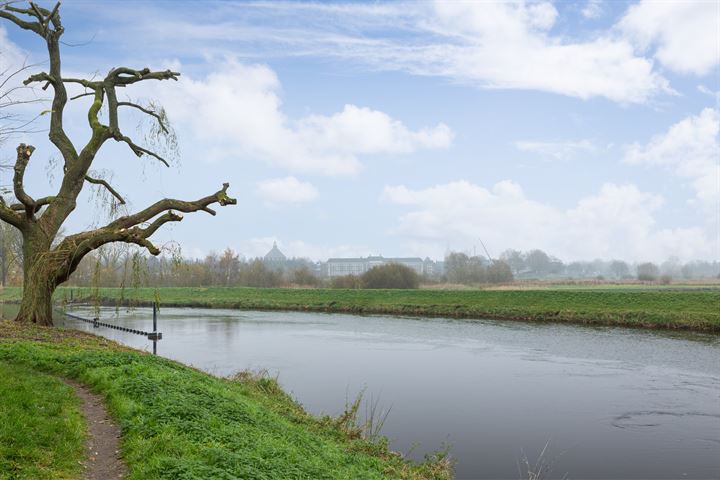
pixel 337 267
pixel 275 256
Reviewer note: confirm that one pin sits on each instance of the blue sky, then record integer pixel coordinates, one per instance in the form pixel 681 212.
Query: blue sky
pixel 587 129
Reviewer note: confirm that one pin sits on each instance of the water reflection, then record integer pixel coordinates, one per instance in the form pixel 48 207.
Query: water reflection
pixel 615 403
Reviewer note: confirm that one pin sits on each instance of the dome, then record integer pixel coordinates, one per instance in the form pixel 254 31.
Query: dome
pixel 275 255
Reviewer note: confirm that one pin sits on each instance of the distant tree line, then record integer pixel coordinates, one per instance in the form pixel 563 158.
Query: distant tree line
pixel 536 264
pixel 125 266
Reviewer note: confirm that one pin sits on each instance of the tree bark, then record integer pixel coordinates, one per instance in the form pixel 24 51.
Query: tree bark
pixel 38 284
pixel 36 305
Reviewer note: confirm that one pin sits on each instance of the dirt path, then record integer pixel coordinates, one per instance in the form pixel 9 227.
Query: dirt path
pixel 103 445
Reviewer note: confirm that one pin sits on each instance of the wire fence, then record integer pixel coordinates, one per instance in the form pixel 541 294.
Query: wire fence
pixel 96 323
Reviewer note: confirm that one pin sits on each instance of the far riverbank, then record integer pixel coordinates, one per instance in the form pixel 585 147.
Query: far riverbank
pixel 667 309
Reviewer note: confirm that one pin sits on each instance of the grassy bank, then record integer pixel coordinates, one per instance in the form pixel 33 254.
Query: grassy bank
pixel 178 422
pixel 42 432
pixel 695 310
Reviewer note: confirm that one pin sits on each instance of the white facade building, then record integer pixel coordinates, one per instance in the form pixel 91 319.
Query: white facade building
pixel 338 267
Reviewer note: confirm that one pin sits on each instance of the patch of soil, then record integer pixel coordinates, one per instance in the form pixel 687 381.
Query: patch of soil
pixel 103 446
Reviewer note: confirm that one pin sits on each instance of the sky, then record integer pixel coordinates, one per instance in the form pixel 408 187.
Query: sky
pixel 587 129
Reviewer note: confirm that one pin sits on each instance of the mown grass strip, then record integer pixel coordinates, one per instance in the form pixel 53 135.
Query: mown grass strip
pixel 42 431
pixel 179 423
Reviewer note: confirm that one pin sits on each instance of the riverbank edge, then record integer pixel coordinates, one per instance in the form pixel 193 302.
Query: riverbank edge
pixel 646 310
pixel 94 361
pixel 629 319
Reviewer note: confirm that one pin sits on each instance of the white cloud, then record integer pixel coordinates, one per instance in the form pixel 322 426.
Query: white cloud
pixel 685 34
pixel 509 45
pixel 592 9
pixel 237 109
pixel 11 56
pixel 714 94
pixel 286 190
pixel 506 45
pixel 559 150
pixel 618 221
pixel 690 149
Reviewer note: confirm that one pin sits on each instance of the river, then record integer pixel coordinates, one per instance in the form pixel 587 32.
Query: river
pixel 608 402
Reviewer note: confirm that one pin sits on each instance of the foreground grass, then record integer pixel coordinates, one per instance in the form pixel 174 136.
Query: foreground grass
pixel 42 432
pixel 695 310
pixel 179 423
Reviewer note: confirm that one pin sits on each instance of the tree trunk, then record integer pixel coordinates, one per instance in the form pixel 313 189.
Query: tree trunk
pixel 36 305
pixel 38 282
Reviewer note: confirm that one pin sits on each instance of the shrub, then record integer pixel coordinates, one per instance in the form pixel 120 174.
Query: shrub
pixel 304 276
pixel 499 272
pixel 666 279
pixel 392 275
pixel 346 281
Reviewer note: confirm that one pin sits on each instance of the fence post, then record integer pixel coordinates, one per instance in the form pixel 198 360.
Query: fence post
pixel 154 328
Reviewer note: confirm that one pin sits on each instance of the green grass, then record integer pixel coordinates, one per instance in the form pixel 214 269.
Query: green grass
pixel 180 423
pixel 696 310
pixel 42 432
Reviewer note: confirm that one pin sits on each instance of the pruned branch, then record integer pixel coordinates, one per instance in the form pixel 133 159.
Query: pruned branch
pixel 138 150
pixel 24 152
pixel 39 203
pixel 160 221
pixel 32 26
pixel 220 197
pixel 122 76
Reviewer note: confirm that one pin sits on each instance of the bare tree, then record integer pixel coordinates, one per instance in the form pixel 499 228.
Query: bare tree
pixel 46 264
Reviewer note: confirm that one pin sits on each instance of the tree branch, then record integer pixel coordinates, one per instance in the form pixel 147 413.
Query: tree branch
pixel 220 197
pixel 146 111
pixel 24 152
pixel 32 26
pixel 104 183
pixel 123 76
pixel 138 150
pixel 8 216
pixel 160 221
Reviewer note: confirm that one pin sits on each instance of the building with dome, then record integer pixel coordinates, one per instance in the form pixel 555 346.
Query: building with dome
pixel 275 256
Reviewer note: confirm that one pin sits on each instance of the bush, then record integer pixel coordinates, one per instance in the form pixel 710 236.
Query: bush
pixel 303 276
pixel 499 272
pixel 666 279
pixel 256 274
pixel 346 281
pixel 392 275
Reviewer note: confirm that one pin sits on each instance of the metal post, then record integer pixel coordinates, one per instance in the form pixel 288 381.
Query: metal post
pixel 154 328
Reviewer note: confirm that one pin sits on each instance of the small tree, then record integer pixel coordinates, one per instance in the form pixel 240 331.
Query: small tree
pixel 39 220
pixel 647 272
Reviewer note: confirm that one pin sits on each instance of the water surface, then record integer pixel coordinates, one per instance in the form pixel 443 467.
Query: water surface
pixel 612 402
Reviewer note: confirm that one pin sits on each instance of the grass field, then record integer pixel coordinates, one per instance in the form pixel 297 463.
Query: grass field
pixel 664 308
pixel 42 432
pixel 176 422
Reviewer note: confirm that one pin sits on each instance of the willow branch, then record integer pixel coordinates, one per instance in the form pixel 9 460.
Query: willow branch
pixel 108 187
pixel 138 150
pixel 146 111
